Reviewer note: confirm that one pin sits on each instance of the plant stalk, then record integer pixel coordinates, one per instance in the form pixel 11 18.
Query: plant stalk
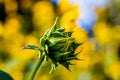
pixel 36 67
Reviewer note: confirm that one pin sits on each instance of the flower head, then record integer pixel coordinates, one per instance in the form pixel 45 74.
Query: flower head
pixel 58 46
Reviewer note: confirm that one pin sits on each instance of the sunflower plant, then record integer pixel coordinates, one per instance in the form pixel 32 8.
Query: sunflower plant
pixel 56 45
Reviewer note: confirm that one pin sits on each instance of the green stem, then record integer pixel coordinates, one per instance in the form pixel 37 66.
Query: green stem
pixel 38 64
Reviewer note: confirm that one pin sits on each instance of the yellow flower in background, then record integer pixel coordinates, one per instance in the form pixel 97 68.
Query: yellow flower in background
pixel 64 6
pixel 26 4
pixel 12 27
pixel 102 33
pixel 85 51
pixel 30 39
pixel 43 16
pixel 113 70
pixel 43 13
pixel 100 12
pixel 66 75
pixel 43 77
pixel 68 18
pixel 10 6
pixel 79 35
pixel 12 39
pixel 14 44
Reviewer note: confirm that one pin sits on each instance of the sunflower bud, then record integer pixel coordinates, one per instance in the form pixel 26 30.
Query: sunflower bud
pixel 58 46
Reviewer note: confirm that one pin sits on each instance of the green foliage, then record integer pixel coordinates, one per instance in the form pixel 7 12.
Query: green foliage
pixel 5 76
pixel 31 47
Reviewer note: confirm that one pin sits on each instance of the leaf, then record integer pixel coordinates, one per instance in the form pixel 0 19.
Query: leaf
pixel 46 57
pixel 53 28
pixel 31 47
pixel 52 68
pixel 61 29
pixel 46 33
pixel 57 40
pixel 68 34
pixel 57 34
pixel 78 52
pixel 58 54
pixel 42 41
pixel 46 49
pixel 70 58
pixel 5 76
pixel 57 47
pixel 75 45
pixel 66 65
pixel 54 62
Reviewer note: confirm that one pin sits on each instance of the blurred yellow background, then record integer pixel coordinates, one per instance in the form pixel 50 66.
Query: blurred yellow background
pixel 23 22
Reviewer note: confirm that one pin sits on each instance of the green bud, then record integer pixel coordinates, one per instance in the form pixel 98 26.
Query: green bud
pixel 58 46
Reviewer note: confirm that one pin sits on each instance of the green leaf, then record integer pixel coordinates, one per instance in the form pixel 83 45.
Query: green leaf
pixel 31 47
pixel 46 33
pixel 42 41
pixel 5 76
pixel 58 54
pixel 53 28
pixel 68 34
pixel 75 45
pixel 57 40
pixel 54 62
pixel 71 58
pixel 57 34
pixel 66 65
pixel 57 47
pixel 53 66
pixel 78 52
pixel 46 49
pixel 46 57
pixel 61 29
